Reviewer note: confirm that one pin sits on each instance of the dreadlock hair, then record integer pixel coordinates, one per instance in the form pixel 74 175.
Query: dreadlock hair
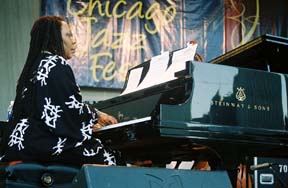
pixel 45 36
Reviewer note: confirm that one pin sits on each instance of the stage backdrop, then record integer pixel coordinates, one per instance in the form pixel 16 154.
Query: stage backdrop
pixel 115 35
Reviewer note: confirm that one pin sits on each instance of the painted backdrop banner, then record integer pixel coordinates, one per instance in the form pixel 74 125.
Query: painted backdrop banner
pixel 116 35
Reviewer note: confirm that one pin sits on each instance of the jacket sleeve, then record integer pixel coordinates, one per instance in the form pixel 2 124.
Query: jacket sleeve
pixel 59 101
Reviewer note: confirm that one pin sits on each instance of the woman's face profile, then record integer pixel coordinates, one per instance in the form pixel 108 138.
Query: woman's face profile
pixel 69 42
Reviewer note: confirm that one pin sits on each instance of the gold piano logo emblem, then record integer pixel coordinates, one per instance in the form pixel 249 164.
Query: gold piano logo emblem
pixel 240 94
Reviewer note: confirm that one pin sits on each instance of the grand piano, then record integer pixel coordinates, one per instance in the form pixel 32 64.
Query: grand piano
pixel 225 113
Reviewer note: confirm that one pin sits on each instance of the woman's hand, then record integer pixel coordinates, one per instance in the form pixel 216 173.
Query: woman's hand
pixel 103 120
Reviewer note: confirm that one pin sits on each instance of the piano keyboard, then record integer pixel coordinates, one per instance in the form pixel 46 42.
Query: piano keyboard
pixel 122 124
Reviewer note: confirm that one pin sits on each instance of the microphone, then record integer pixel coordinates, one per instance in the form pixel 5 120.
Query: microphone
pixel 260 166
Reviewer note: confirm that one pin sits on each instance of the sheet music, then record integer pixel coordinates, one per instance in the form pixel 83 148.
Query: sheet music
pixel 133 80
pixel 158 72
pixel 179 60
pixel 158 66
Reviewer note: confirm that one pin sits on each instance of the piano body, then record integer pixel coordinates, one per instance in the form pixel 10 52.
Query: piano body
pixel 220 113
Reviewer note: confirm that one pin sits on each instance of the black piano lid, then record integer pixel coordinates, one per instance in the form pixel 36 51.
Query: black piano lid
pixel 265 53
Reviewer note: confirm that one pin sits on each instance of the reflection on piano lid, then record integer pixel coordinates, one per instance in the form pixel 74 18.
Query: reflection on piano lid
pixel 267 52
pixel 214 112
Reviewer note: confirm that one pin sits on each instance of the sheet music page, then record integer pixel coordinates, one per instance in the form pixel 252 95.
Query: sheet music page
pixel 179 60
pixel 133 80
pixel 158 65
pixel 158 72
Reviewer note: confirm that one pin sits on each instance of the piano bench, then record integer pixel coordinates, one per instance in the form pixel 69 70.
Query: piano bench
pixel 33 175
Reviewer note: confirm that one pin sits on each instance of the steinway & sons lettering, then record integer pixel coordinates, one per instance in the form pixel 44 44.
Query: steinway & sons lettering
pixel 239 105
